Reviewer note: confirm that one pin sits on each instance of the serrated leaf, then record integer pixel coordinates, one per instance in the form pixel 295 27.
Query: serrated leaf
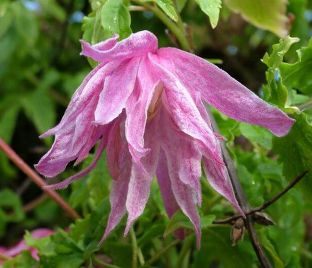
pixel 266 14
pixel 168 7
pixel 115 19
pixel 298 75
pixel 275 91
pixel 212 9
pixel 295 150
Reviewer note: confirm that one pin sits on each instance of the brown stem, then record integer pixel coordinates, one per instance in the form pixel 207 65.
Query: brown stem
pixel 19 162
pixel 241 198
pixel 267 203
pixel 34 203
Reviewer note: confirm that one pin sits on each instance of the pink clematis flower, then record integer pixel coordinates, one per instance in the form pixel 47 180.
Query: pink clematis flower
pixel 145 106
pixel 21 246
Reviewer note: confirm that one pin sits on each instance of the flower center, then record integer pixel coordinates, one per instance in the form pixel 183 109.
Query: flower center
pixel 153 107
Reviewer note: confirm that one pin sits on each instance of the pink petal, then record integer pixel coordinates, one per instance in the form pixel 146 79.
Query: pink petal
pixel 137 109
pixel 184 195
pixel 117 88
pixel 164 183
pixel 122 171
pixel 68 143
pixel 170 202
pixel 183 148
pixel 64 184
pixel 91 86
pixel 225 93
pixel 180 104
pixel 142 175
pixel 218 178
pixel 135 45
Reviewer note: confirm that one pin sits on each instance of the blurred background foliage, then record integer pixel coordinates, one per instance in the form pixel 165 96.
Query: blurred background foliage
pixel 40 68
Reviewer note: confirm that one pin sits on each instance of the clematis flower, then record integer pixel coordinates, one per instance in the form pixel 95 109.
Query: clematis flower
pixel 21 246
pixel 145 106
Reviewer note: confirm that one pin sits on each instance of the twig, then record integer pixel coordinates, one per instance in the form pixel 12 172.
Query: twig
pixel 34 203
pixel 241 198
pixel 19 162
pixel 267 203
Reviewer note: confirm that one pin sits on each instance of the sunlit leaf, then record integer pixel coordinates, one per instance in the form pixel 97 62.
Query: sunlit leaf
pixel 266 14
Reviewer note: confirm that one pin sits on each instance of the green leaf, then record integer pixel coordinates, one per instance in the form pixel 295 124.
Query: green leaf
pixel 115 19
pixel 39 108
pixel 168 7
pixel 298 75
pixel 10 208
pixel 266 14
pixel 178 220
pixel 257 135
pixel 212 9
pixel 278 263
pixel 8 121
pixel 23 260
pixel 295 150
pixel 275 91
pixel 181 4
pixel 216 242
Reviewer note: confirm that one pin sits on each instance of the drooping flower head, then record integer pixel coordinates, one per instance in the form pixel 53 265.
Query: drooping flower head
pixel 145 106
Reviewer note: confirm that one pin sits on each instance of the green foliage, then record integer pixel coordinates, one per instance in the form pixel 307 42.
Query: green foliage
pixel 266 14
pixel 168 7
pixel 107 18
pixel 212 9
pixel 10 209
pixel 39 71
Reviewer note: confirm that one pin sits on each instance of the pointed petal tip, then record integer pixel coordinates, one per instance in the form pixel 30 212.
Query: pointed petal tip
pixel 284 128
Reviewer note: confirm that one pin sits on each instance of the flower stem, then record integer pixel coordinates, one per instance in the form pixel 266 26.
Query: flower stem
pixel 135 250
pixel 19 162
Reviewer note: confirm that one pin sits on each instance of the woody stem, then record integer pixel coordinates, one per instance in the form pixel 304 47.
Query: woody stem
pixel 19 162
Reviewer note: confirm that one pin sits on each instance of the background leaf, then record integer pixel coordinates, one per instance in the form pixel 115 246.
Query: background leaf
pixel 267 14
pixel 212 9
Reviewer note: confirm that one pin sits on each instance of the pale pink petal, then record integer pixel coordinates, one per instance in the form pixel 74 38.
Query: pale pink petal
pixel 64 184
pixel 184 195
pixel 163 179
pixel 137 109
pixel 223 92
pixel 182 109
pixel 96 133
pixel 90 87
pixel 164 183
pixel 121 175
pixel 184 149
pixel 219 180
pixel 141 177
pixel 135 45
pixel 118 86
pixel 68 143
